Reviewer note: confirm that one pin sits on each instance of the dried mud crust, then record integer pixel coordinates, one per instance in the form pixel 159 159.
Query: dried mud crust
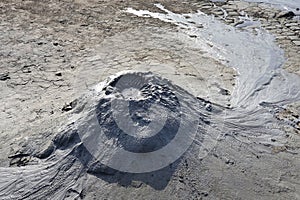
pixel 285 29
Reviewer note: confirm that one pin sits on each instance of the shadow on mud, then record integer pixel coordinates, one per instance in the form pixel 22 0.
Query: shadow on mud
pixel 158 180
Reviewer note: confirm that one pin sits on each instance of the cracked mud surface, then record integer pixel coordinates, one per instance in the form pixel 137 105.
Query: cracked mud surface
pixel 52 53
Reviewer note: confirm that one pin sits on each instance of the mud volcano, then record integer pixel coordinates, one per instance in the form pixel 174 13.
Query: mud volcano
pixel 130 120
pixel 133 127
pixel 144 123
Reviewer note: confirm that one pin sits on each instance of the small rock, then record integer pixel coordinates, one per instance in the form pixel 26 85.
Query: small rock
pixel 58 74
pixel 224 92
pixel 4 77
pixel 208 107
pixel 204 194
pixel 193 36
pixel 26 69
pixel 69 106
pixel 229 162
pixel 55 43
pixel 41 42
pixel 199 26
pixel 286 14
pixel 63 21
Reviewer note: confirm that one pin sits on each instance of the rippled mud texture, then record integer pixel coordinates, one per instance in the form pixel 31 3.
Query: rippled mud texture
pixel 51 54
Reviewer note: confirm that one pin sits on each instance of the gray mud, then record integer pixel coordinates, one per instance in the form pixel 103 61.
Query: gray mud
pixel 79 151
pixel 291 5
pixel 230 82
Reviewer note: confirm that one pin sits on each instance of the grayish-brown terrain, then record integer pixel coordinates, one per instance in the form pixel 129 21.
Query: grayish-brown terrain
pixel 230 68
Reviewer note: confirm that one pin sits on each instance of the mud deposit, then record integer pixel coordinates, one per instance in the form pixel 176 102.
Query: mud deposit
pixel 149 100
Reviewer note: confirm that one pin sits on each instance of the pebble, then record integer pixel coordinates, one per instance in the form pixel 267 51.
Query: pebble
pixel 58 74
pixel 4 77
pixel 193 36
pixel 224 91
pixel 286 14
pixel 69 106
